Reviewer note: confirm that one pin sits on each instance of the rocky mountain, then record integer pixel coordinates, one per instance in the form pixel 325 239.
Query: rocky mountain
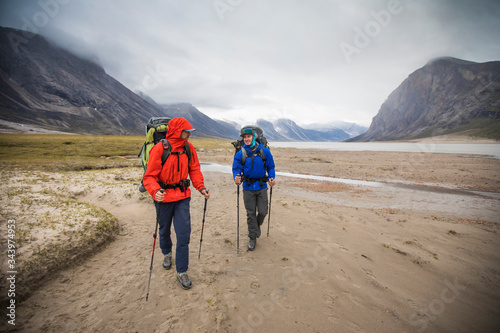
pixel 445 96
pixel 292 132
pixel 352 129
pixel 47 86
pixel 270 132
pixel 204 125
pixel 288 130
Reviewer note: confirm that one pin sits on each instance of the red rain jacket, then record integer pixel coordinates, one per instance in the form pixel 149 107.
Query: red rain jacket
pixel 176 166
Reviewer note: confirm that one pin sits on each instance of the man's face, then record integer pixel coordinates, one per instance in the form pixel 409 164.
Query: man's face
pixel 247 139
pixel 185 135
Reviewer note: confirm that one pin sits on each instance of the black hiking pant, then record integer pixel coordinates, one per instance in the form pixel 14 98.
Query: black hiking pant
pixel 256 204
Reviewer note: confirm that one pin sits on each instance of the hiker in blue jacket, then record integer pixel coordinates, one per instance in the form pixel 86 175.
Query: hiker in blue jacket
pixel 255 172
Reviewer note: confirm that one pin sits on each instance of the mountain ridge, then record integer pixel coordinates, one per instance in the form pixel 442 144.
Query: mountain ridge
pixel 445 96
pixel 45 85
pixel 48 87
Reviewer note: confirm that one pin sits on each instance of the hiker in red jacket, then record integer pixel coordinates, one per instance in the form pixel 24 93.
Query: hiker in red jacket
pixel 173 203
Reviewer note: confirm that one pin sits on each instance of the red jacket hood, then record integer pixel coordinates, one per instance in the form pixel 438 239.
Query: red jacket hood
pixel 175 128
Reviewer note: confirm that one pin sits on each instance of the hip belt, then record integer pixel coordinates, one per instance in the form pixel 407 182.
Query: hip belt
pixel 183 185
pixel 250 181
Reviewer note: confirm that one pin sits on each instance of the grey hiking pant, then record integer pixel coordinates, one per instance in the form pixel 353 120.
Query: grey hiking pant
pixel 256 205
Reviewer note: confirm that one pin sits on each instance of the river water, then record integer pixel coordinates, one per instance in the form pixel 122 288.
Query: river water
pixel 398 195
pixel 488 149
pixel 214 167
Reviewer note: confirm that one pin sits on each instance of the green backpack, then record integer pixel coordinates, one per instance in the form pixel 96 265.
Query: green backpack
pixel 156 130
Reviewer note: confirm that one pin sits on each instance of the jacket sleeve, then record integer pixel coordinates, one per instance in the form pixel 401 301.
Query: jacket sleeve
pixel 237 166
pixel 150 178
pixel 195 170
pixel 269 164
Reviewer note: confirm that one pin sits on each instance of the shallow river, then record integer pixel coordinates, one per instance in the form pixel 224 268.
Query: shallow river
pixel 489 149
pixel 398 195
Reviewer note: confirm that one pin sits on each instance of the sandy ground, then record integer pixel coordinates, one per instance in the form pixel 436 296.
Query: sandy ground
pixel 418 250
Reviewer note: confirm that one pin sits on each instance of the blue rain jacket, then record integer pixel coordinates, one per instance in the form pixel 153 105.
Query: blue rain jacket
pixel 254 167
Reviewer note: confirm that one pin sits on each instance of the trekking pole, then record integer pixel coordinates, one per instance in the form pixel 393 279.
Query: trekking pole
pixel 202 226
pixel 269 217
pixel 154 244
pixel 238 220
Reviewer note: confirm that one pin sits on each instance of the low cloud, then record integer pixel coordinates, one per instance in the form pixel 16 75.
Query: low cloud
pixel 336 60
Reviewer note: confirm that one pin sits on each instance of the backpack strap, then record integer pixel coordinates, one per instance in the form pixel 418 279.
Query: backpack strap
pixel 262 155
pixel 187 149
pixel 244 155
pixel 167 150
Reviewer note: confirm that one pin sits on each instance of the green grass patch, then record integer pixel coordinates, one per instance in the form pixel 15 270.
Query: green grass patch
pixel 488 128
pixel 482 127
pixel 61 152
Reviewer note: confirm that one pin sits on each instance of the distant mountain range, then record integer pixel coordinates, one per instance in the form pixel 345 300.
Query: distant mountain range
pixel 43 85
pixel 445 96
pixel 292 132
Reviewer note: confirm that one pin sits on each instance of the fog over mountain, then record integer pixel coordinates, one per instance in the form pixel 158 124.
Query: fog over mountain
pixel 245 60
pixel 44 85
pixel 350 128
pixel 47 87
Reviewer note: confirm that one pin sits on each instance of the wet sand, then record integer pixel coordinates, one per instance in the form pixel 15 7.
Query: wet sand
pixel 339 257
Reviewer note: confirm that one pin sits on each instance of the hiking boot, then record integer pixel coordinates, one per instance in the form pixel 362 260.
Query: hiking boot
pixel 142 189
pixel 184 280
pixel 167 261
pixel 251 244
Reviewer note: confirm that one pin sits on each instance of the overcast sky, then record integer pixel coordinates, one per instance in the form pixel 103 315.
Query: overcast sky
pixel 306 60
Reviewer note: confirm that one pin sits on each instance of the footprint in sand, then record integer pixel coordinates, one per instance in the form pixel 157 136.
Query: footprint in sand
pixel 354 327
pixel 356 300
pixel 254 285
pixel 329 310
pixel 341 278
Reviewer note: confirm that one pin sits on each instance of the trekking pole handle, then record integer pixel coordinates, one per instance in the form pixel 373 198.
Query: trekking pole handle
pixel 207 192
pixel 157 199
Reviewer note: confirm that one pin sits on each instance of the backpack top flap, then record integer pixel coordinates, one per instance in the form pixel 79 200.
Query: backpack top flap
pixel 154 122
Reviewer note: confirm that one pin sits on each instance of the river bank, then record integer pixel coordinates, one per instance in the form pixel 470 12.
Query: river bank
pixel 338 257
